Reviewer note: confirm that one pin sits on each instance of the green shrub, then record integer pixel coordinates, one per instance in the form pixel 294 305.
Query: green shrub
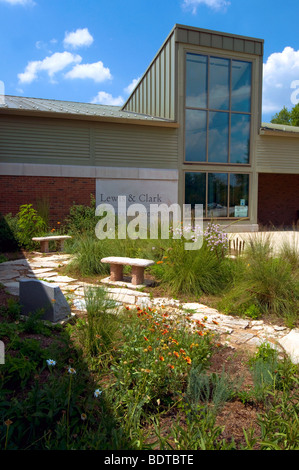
pixel 82 219
pixel 30 224
pixel 8 233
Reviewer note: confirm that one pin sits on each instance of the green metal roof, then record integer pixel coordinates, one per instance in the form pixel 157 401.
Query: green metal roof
pixel 73 110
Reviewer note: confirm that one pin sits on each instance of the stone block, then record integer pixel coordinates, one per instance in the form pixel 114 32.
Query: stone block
pixel 36 295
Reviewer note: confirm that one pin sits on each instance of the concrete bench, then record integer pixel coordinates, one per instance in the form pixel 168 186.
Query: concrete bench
pixel 44 241
pixel 116 268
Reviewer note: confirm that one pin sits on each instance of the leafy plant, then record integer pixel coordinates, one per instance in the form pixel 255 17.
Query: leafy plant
pixel 30 224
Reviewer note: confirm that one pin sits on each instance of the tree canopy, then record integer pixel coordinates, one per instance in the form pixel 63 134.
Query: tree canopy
pixel 289 118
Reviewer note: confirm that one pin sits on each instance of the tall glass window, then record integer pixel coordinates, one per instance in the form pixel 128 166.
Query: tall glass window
pixel 222 194
pixel 218 110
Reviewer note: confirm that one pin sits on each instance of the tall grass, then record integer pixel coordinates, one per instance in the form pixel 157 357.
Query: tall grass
pixel 269 282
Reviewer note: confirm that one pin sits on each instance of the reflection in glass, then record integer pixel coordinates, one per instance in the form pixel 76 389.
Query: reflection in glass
pixel 239 190
pixel 241 86
pixel 196 135
pixel 195 189
pixel 218 137
pixel 240 138
pixel 219 84
pixel 196 81
pixel 217 194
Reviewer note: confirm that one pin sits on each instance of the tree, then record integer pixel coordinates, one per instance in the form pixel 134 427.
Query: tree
pixel 295 115
pixel 283 117
pixel 289 118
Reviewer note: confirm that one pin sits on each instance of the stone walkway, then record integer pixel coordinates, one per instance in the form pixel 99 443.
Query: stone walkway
pixel 233 331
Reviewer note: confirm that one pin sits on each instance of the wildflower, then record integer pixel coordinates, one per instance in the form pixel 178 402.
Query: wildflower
pixel 8 422
pixel 161 358
pixel 159 262
pixel 58 223
pixel 170 366
pixel 188 360
pixel 175 353
pixel 71 371
pixel 50 362
pixel 53 230
pixel 146 339
pixel 83 416
pixel 97 393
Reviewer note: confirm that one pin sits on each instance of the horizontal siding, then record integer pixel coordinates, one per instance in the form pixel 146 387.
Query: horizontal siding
pixel 135 146
pixel 57 142
pixel 41 141
pixel 275 154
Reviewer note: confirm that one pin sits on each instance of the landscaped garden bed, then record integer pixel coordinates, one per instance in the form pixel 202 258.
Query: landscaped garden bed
pixel 147 378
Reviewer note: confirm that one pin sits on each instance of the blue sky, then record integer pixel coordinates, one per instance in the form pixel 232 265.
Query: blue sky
pixel 95 50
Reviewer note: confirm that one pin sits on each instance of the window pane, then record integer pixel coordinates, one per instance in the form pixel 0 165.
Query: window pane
pixel 196 81
pixel 196 135
pixel 217 194
pixel 240 138
pixel 239 190
pixel 219 83
pixel 195 189
pixel 241 86
pixel 218 137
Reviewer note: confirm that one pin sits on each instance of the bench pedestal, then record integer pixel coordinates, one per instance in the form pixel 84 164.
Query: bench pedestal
pixel 116 272
pixel 137 275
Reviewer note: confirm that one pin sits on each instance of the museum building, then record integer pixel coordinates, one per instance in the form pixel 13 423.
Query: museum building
pixel 189 133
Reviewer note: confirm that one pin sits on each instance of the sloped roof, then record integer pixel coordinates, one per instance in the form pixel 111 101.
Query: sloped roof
pixel 74 110
pixel 279 129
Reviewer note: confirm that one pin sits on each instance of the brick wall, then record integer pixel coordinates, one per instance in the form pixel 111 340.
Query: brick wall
pixel 278 199
pixel 59 191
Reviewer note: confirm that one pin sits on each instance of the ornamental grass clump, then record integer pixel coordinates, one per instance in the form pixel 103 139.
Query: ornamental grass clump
pixel 268 284
pixel 194 272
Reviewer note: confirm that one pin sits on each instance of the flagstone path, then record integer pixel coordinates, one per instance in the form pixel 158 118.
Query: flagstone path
pixel 233 331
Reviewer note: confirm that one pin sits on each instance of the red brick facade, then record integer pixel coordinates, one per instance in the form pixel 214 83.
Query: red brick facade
pixel 278 199
pixel 60 192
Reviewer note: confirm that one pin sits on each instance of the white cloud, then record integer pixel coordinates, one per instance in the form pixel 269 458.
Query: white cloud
pixel 280 71
pixel 214 4
pixel 107 99
pixel 95 71
pixel 52 64
pixel 78 38
pixel 132 85
pixel 19 2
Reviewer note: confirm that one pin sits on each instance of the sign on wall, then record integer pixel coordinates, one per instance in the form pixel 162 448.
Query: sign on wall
pixel 143 192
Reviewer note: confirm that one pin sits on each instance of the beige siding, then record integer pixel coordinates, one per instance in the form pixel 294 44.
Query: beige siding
pixel 277 154
pixel 141 147
pixel 61 142
pixel 43 141
pixel 155 93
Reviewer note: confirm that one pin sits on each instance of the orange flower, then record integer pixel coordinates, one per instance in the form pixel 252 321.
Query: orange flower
pixel 145 338
pixel 216 322
pixel 159 262
pixel 161 358
pixel 170 366
pixel 176 354
pixel 188 360
pixel 200 333
pixel 58 223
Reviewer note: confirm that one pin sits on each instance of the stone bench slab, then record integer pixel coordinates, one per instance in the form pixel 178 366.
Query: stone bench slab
pixel 144 263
